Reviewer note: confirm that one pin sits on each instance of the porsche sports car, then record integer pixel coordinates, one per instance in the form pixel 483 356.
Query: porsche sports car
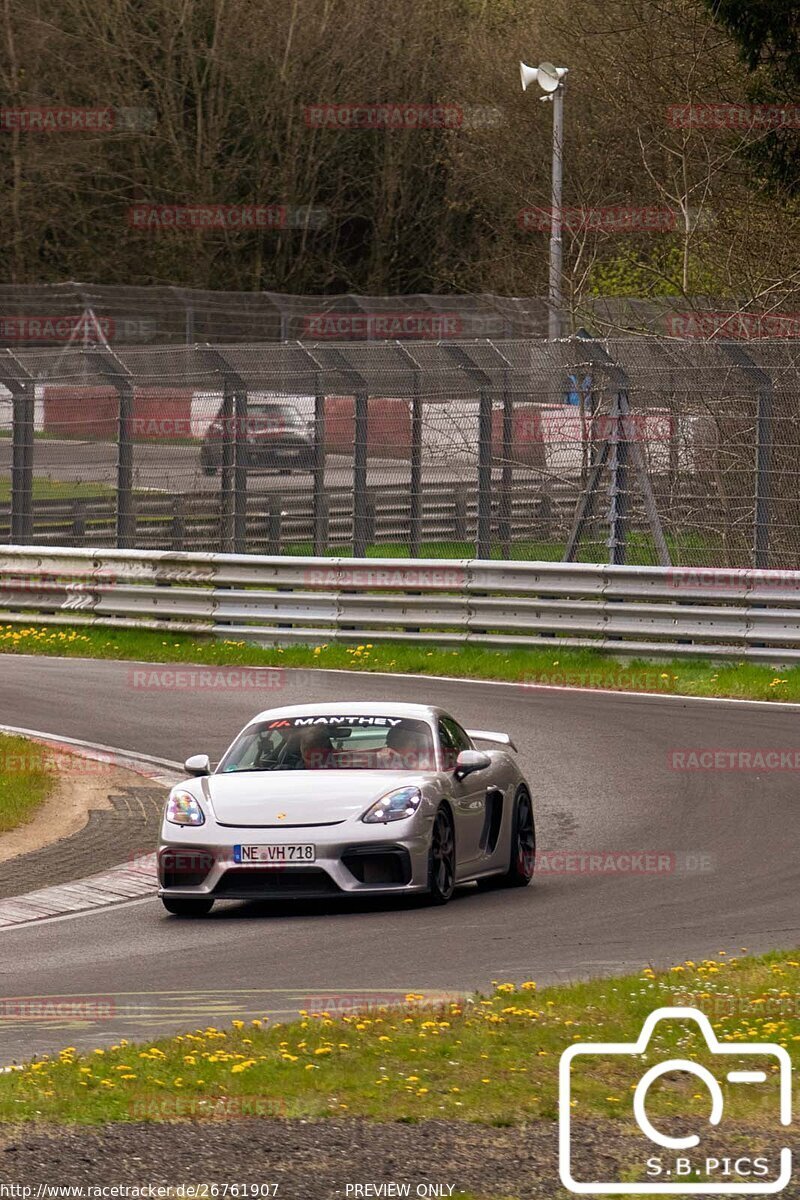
pixel 323 800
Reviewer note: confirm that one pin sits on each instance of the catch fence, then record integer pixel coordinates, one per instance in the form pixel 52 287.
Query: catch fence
pixel 627 450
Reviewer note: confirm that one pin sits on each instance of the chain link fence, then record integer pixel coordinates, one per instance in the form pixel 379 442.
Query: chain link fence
pixel 629 449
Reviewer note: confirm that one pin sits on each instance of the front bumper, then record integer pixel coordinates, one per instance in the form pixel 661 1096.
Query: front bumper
pixel 366 860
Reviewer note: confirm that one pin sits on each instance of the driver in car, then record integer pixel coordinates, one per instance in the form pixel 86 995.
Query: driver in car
pixel 316 749
pixel 405 750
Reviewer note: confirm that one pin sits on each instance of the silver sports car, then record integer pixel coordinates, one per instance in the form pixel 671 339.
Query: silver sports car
pixel 347 799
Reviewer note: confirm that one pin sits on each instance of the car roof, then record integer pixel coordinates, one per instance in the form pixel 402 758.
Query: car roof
pixel 358 708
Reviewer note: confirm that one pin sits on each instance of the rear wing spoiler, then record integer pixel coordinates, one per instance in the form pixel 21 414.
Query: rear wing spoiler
pixel 486 735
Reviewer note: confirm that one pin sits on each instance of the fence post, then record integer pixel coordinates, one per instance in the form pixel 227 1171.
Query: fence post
pixel 483 539
pixel 22 463
pixel 360 506
pixel 319 500
pixel 178 522
pixel 240 465
pixel 126 515
pixel 507 477
pixel 226 531
pixel 618 489
pixel 762 479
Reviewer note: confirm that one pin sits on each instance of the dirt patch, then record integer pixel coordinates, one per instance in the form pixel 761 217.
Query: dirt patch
pixel 82 786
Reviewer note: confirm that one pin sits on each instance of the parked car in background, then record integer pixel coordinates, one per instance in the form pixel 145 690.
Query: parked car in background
pixel 274 434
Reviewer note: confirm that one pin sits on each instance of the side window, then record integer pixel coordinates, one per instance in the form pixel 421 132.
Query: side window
pixel 458 735
pixel 453 739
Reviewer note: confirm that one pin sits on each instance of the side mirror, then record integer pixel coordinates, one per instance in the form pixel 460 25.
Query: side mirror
pixel 198 764
pixel 469 761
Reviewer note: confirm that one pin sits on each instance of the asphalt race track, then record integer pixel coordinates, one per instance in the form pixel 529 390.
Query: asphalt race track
pixel 599 766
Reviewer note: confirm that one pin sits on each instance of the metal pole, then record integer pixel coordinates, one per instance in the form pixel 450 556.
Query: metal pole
pixel 554 288
pixel 226 470
pixel 240 465
pixel 415 506
pixel 483 542
pixel 507 477
pixel 762 480
pixel 618 509
pixel 360 507
pixel 22 464
pixel 318 473
pixel 126 516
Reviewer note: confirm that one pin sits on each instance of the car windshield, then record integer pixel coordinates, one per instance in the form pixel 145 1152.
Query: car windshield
pixel 275 414
pixel 352 743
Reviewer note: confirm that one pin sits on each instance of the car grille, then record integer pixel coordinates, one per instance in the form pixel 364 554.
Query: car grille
pixel 257 883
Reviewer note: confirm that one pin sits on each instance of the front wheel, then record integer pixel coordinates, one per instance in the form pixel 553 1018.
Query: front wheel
pixel 180 907
pixel 442 859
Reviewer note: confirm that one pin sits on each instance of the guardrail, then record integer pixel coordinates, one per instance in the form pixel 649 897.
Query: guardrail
pixel 745 614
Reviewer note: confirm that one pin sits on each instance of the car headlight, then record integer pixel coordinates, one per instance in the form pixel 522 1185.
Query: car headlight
pixel 183 809
pixel 395 806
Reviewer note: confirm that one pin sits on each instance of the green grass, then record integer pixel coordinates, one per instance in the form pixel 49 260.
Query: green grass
pixel 556 666
pixel 56 489
pixel 26 781
pixel 490 1059
pixel 686 550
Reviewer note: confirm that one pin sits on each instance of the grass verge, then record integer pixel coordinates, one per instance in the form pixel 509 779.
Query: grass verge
pixel 491 1059
pixel 554 667
pixel 26 781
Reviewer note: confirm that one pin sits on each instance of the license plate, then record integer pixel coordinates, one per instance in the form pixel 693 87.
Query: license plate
pixel 274 854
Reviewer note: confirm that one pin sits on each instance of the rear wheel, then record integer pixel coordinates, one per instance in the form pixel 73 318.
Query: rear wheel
pixel 523 847
pixel 180 907
pixel 442 859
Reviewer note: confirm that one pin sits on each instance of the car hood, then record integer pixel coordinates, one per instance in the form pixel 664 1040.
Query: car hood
pixel 282 799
